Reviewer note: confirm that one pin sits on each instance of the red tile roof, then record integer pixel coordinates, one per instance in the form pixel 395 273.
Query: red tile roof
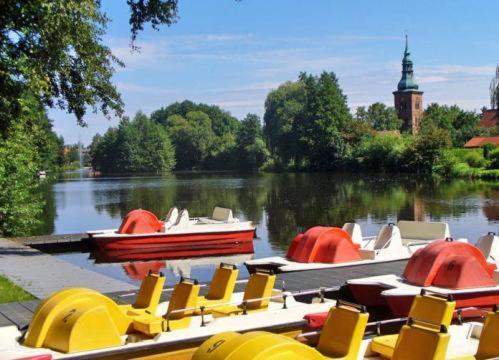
pixel 490 118
pixel 479 141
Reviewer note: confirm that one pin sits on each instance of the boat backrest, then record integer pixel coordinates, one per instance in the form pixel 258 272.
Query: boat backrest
pixel 433 309
pixel 172 216
pixel 488 347
pixel 184 296
pixel 388 237
pixel 489 245
pixel 353 229
pixel 183 219
pixel 259 285
pixel 342 333
pixel 421 230
pixel 421 343
pixel 222 214
pixel 150 292
pixel 223 282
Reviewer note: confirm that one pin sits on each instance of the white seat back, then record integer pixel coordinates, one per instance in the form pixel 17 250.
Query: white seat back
pixel 388 238
pixel 353 229
pixel 222 214
pixel 172 216
pixel 421 230
pixel 183 219
pixel 489 245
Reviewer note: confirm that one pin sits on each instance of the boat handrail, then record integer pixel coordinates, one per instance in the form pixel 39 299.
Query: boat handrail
pixel 373 323
pixel 322 291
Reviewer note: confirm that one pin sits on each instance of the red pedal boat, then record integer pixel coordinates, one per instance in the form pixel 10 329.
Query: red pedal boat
pixel 468 273
pixel 141 231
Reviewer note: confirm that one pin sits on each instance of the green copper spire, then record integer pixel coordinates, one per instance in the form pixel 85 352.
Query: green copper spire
pixel 407 82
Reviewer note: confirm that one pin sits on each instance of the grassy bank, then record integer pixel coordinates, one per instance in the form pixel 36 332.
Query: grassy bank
pixel 10 292
pixel 469 163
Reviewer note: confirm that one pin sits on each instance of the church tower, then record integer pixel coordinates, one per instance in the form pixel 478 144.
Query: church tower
pixel 408 99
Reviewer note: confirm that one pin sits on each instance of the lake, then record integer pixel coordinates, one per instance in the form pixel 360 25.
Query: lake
pixel 281 205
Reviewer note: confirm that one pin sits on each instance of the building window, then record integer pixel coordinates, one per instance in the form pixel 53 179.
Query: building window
pixel 418 105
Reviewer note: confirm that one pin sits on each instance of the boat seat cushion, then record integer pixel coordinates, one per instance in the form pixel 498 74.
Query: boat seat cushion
pixel 222 214
pixel 223 283
pixel 384 345
pixel 415 343
pixel 423 230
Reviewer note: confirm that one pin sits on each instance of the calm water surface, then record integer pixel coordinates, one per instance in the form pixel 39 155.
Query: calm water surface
pixel 281 205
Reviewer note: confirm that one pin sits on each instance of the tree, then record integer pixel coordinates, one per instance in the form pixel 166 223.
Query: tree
pixel 462 125
pixel 54 49
pixel 136 146
pixel 283 107
pixel 426 148
pixel 380 117
pixel 251 150
pixel 325 118
pixel 193 138
pixel 21 204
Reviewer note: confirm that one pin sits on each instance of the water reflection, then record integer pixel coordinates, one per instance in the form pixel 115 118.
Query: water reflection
pixel 281 205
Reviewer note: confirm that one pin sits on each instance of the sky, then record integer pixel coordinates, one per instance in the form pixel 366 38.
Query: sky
pixel 232 53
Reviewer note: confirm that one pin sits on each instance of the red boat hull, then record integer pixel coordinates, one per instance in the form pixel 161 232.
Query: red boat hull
pixel 370 295
pixel 146 243
pixel 400 305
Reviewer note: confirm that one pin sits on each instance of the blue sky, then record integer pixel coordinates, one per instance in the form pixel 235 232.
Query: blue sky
pixel 232 53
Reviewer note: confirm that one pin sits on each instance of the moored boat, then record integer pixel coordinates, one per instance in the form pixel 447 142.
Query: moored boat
pixel 452 268
pixel 330 247
pixel 142 232
pixel 348 335
pixel 85 323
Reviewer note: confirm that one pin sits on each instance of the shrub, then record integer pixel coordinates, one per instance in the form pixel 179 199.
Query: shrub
pixel 475 160
pixel 494 159
pixel 487 149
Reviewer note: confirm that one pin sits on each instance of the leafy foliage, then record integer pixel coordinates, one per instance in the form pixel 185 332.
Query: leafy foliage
pixel 379 116
pixel 251 149
pixel 139 146
pixel 462 125
pixel 20 203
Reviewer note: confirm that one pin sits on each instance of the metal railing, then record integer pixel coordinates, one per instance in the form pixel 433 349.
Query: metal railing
pixel 244 304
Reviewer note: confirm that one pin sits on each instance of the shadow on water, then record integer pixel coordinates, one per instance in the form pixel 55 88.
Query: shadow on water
pixel 281 205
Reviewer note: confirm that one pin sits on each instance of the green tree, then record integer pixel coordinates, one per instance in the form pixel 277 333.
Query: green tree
pixel 462 125
pixel 426 148
pixel 21 204
pixel 283 107
pixel 193 138
pixel 137 146
pixel 251 150
pixel 325 118
pixel 54 49
pixel 380 116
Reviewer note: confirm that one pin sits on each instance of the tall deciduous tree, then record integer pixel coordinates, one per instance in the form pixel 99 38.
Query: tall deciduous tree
pixel 54 49
pixel 379 116
pixel 251 150
pixel 284 107
pixel 325 117
pixel 462 125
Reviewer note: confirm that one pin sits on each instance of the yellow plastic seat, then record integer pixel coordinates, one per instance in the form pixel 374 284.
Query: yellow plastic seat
pixel 425 307
pixel 148 297
pixel 488 347
pixel 419 341
pixel 259 286
pixel 221 287
pixel 184 296
pixel 343 331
